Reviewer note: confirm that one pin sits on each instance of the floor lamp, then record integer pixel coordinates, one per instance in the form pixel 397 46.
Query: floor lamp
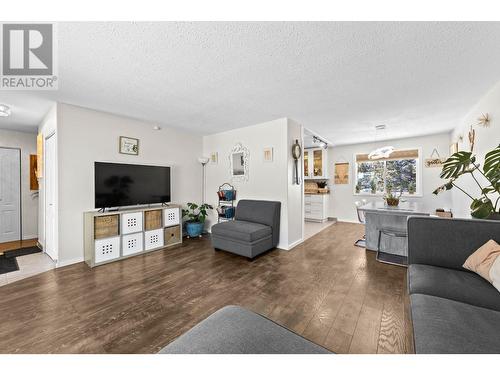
pixel 204 162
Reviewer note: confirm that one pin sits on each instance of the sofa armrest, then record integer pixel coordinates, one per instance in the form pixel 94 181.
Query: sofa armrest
pixel 447 242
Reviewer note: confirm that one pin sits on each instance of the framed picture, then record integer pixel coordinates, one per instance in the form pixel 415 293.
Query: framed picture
pixel 341 173
pixel 214 157
pixel 268 154
pixel 129 146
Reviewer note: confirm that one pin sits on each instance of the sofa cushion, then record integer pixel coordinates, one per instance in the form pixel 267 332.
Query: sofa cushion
pixel 462 286
pixel 234 330
pixel 443 326
pixel 241 230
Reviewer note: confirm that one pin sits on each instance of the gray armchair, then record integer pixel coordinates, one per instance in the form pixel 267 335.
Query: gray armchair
pixel 254 230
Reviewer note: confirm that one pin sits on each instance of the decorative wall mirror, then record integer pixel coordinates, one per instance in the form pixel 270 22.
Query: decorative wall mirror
pixel 238 162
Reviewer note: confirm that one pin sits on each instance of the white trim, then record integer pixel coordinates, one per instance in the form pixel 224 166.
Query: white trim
pixel 291 246
pixel 63 263
pixel 348 221
pixel 29 236
pixel 419 188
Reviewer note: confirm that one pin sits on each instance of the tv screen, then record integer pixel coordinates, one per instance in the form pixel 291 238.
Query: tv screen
pixel 130 184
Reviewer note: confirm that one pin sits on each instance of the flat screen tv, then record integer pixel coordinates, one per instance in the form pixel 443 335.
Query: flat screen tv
pixel 130 184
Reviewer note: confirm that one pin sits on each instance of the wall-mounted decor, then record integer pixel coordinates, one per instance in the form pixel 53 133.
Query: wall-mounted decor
pixel 341 173
pixel 214 157
pixel 33 179
pixel 129 146
pixel 435 160
pixel 296 154
pixel 238 162
pixel 484 120
pixel 39 155
pixel 453 148
pixel 268 154
pixel 472 138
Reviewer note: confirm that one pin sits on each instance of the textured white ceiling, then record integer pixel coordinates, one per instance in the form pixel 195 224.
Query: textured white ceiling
pixel 338 79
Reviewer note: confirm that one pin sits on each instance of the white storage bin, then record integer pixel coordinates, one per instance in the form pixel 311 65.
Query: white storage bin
pixel 170 217
pixel 153 239
pixel 107 249
pixel 131 223
pixel 132 243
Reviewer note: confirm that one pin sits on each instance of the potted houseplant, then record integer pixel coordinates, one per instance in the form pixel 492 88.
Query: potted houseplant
pixel 358 187
pixel 487 204
pixel 196 216
pixel 390 198
pixel 373 186
pixel 411 188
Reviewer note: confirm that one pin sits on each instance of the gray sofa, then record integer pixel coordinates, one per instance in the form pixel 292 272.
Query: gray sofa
pixel 453 310
pixel 235 330
pixel 254 230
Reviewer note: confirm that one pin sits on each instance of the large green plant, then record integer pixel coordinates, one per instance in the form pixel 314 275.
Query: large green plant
pixel 464 163
pixel 195 213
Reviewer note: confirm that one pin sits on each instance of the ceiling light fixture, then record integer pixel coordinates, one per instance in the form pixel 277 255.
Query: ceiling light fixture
pixel 320 142
pixel 381 152
pixel 4 110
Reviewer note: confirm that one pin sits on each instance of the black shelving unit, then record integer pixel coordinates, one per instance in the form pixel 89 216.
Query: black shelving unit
pixel 225 207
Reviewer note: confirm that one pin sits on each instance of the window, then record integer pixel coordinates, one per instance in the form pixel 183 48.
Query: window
pixel 398 173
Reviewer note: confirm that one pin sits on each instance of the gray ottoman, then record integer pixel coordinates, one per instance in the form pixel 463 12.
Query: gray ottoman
pixel 234 330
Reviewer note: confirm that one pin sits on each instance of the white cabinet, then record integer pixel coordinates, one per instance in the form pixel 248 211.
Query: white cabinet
pixel 316 207
pixel 113 236
pixel 315 163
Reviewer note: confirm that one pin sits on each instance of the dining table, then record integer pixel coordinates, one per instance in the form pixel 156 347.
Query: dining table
pixel 382 219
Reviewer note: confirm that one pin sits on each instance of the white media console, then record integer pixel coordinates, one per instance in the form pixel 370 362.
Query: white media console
pixel 111 236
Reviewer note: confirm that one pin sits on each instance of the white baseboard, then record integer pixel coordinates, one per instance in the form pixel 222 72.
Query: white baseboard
pixel 348 221
pixel 63 263
pixel 291 246
pixel 29 236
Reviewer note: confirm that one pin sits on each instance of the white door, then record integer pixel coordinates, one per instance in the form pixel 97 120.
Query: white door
pixel 50 197
pixel 10 194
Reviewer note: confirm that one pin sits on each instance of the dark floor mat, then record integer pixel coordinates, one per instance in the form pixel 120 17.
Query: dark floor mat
pixel 22 251
pixel 8 264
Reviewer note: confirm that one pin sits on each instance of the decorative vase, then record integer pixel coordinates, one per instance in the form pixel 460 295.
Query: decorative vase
pixel 392 201
pixel 194 229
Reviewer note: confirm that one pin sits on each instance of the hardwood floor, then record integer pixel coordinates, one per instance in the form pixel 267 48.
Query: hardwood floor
pixel 14 245
pixel 325 289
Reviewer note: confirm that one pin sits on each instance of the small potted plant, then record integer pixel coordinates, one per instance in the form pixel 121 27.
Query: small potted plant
pixel 196 216
pixel 358 187
pixel 411 188
pixel 390 198
pixel 373 186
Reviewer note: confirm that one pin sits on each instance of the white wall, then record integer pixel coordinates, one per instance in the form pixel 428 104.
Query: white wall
pixel 29 205
pixel 295 198
pixel 47 127
pixel 342 197
pixel 86 136
pixel 486 140
pixel 267 180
